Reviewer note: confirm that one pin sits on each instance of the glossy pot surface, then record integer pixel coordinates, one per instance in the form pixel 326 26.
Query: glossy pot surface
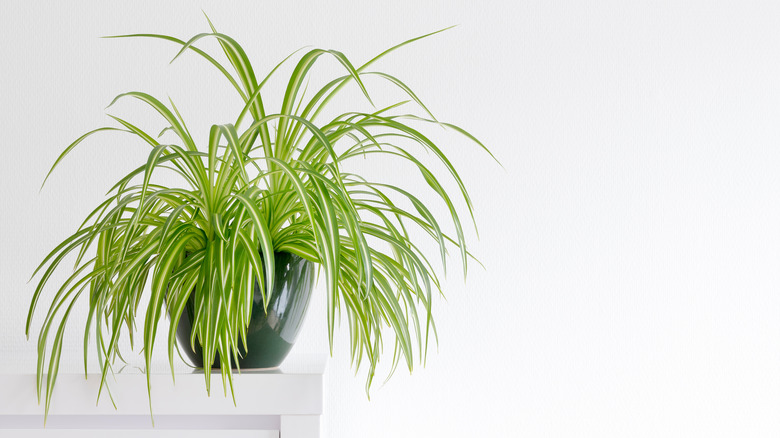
pixel 271 335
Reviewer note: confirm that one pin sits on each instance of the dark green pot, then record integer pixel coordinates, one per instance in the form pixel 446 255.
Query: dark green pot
pixel 269 336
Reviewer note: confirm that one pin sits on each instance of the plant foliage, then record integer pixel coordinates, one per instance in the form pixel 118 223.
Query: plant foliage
pixel 276 184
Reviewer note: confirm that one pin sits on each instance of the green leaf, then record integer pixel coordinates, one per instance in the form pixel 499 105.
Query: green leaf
pixel 266 244
pixel 71 147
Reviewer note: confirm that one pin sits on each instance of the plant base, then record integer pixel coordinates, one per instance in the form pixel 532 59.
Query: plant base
pixel 270 336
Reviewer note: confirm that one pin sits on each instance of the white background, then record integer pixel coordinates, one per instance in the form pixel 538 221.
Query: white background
pixel 631 243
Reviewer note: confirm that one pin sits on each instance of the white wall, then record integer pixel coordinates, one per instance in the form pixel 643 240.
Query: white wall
pixel 632 243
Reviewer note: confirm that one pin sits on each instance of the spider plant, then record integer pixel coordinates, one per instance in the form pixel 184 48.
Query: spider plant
pixel 267 182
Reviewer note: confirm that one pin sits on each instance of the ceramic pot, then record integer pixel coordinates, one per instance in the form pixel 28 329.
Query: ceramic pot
pixel 271 335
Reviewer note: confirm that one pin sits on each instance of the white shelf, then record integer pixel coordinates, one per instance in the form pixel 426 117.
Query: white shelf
pixel 286 403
